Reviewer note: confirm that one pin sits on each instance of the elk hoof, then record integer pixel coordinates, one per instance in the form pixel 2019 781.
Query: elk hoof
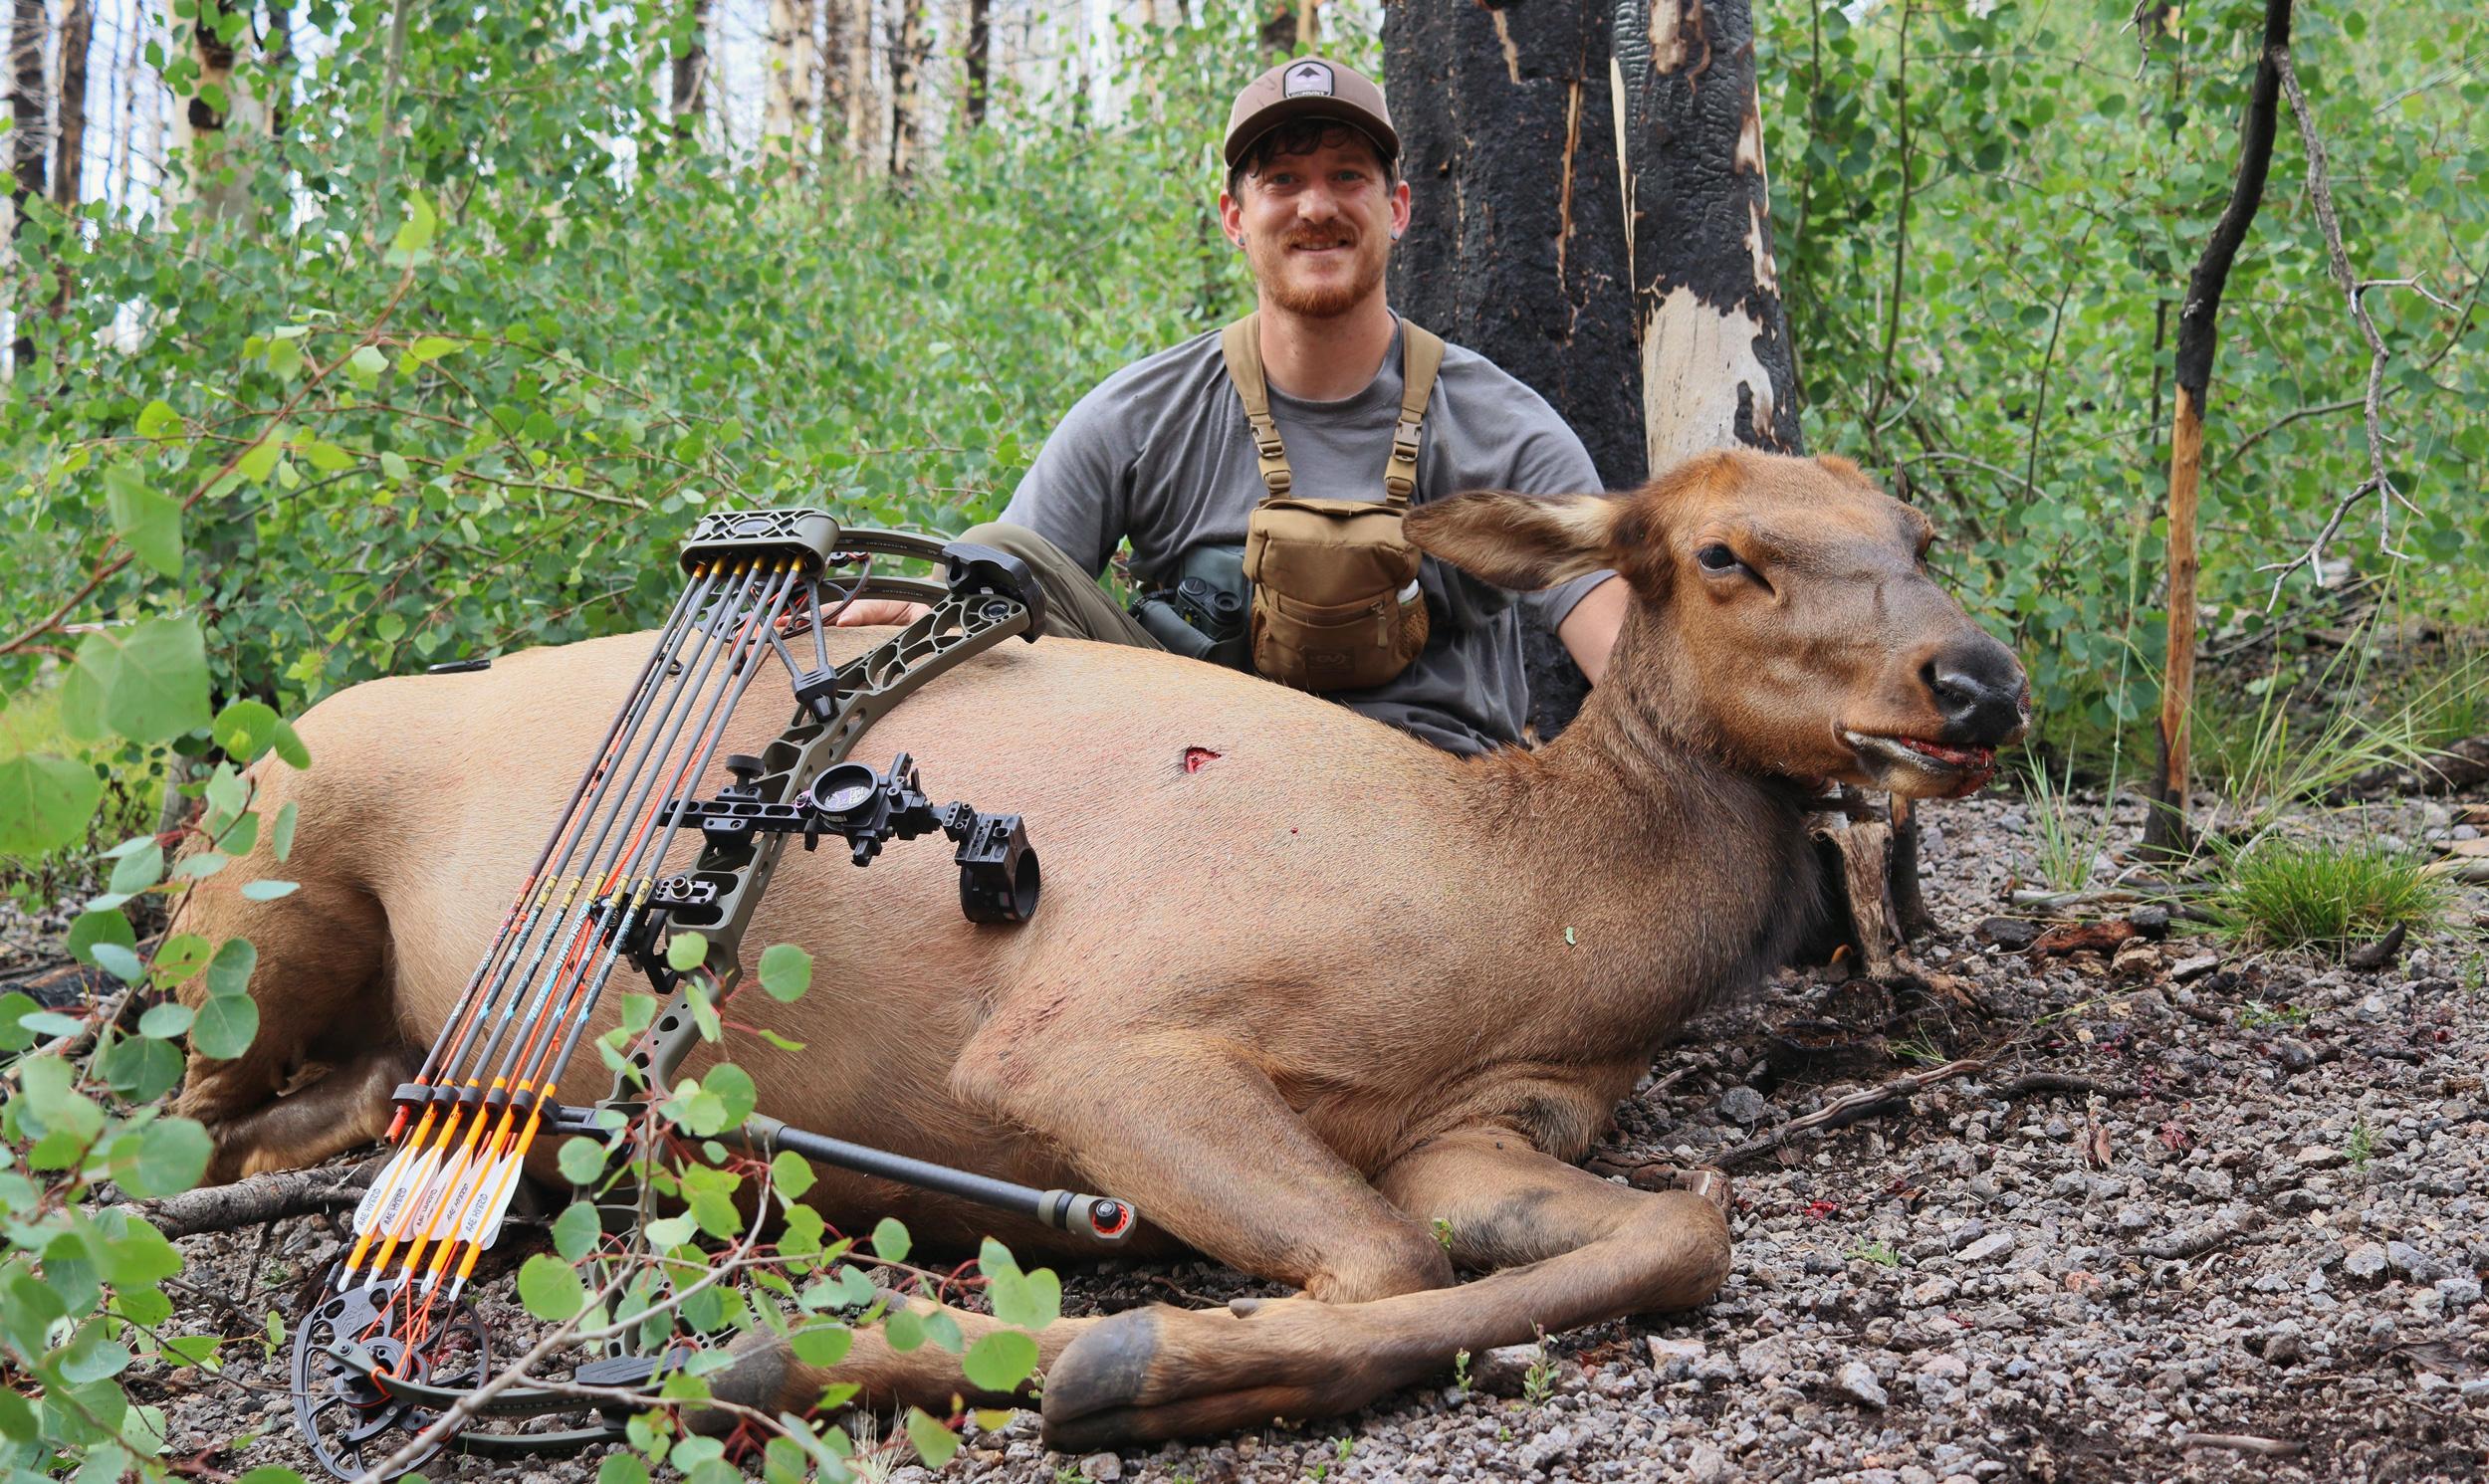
pixel 1148 1375
pixel 757 1379
pixel 1708 1183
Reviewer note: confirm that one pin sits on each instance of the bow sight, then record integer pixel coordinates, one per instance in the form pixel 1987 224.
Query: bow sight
pixel 391 1344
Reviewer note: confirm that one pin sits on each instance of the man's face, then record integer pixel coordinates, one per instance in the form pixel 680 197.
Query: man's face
pixel 1318 226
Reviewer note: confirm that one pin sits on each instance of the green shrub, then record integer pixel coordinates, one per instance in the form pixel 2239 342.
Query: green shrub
pixel 2327 894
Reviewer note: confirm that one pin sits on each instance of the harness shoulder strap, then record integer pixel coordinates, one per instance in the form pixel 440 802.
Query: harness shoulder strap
pixel 1421 356
pixel 1240 342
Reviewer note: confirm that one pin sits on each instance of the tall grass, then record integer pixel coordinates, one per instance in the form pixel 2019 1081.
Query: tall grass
pixel 2066 837
pixel 2324 894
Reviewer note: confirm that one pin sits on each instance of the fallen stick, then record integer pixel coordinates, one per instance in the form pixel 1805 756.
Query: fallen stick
pixel 2270 1448
pixel 1848 1110
pixel 2197 1240
pixel 262 1197
pixel 2063 1081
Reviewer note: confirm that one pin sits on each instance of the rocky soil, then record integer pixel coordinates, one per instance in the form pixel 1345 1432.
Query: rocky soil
pixel 2198 1214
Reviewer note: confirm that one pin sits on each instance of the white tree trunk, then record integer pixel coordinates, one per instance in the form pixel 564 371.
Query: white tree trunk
pixel 212 147
pixel 787 127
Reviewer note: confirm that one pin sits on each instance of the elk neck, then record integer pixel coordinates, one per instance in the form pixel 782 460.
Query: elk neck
pixel 1700 873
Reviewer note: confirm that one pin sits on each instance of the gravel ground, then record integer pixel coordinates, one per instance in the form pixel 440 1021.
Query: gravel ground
pixel 2192 1221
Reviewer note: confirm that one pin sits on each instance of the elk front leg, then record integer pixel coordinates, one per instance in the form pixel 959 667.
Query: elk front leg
pixel 1586 1250
pixel 1209 1151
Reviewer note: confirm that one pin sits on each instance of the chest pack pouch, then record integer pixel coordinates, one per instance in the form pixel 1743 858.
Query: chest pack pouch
pixel 1335 599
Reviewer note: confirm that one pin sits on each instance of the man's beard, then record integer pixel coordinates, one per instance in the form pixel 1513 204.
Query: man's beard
pixel 1327 302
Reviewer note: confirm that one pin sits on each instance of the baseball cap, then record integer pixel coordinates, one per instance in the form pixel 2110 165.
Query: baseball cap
pixel 1308 87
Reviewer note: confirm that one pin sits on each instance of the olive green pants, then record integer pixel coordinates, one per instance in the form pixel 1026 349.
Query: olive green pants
pixel 1075 606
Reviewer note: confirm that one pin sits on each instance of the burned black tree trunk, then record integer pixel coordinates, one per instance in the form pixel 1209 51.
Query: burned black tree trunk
pixel 1516 241
pixel 1716 366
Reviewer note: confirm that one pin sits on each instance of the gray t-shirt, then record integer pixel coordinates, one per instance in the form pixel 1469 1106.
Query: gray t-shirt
pixel 1159 453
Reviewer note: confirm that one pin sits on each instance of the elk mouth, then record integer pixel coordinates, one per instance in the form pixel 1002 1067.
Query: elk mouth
pixel 1934 768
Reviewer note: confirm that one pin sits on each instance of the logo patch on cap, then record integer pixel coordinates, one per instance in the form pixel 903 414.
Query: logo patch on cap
pixel 1308 80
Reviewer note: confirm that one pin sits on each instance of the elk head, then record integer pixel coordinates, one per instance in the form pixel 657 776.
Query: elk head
pixel 1783 618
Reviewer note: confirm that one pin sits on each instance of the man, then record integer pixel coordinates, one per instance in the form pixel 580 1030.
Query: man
pixel 1161 453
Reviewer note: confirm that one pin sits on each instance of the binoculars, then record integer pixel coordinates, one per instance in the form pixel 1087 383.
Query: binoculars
pixel 1203 616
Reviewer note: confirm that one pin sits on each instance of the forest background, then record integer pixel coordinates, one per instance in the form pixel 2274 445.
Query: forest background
pixel 864 251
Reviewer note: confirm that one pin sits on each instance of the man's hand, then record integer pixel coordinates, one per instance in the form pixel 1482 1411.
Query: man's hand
pixel 868 611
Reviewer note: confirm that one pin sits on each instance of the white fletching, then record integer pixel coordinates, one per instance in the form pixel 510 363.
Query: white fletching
pixel 369 1206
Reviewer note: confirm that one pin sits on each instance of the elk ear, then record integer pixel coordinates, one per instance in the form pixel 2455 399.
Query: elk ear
pixel 1520 542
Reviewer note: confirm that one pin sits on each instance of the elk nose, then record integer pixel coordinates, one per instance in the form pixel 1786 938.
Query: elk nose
pixel 1978 689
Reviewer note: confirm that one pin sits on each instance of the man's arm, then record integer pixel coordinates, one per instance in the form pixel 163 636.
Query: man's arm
pixel 1589 631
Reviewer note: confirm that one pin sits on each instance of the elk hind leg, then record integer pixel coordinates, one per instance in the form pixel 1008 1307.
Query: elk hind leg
pixel 1569 1250
pixel 316 1079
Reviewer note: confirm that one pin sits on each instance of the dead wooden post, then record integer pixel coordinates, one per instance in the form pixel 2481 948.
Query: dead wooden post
pixel 2167 829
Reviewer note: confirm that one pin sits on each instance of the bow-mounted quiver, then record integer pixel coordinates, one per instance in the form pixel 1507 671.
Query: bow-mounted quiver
pixel 391 1344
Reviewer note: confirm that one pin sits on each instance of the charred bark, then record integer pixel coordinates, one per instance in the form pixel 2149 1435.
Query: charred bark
pixel 69 167
pixel 30 150
pixel 2166 828
pixel 1516 241
pixel 1716 366
pixel 978 57
pixel 690 73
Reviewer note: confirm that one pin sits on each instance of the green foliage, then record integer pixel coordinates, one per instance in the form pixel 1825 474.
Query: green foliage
pixel 1983 249
pixel 2328 895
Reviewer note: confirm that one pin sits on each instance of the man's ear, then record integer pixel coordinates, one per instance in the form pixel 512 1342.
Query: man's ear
pixel 1520 542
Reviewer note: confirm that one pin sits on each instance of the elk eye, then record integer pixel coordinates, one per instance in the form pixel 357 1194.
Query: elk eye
pixel 1716 559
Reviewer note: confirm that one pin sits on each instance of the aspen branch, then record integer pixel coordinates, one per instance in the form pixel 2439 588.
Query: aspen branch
pixel 2378 483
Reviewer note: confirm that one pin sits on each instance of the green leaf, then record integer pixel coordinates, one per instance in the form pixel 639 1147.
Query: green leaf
pixel 415 233
pixel 669 1233
pixel 903 1330
pixel 289 747
pixel 550 1289
pixel 121 962
pixel 139 1255
pixel 140 869
pixel 786 972
pixel 581 1160
pixel 229 972
pixel 281 837
pixel 245 728
pixel 733 1086
pixel 139 1068
pixel 328 458
pixel 154 684
pixel 621 1468
pixel 92 927
pixel 790 1175
pixel 891 1242
pixel 260 461
pixel 1001 1361
pixel 367 364
pixel 396 467
pixel 157 419
pixel 576 1229
pixel 14 1005
pixel 225 1026
pixel 269 890
pixel 934 1443
pixel 165 1021
pixel 147 522
pixel 433 348
pixel 821 1344
pixel 171 1155
pixel 685 951
pixel 45 803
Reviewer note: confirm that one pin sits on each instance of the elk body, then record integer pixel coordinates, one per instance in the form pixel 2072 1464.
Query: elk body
pixel 1328 1005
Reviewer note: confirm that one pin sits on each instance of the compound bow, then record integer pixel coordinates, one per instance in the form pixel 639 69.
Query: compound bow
pixel 391 1343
